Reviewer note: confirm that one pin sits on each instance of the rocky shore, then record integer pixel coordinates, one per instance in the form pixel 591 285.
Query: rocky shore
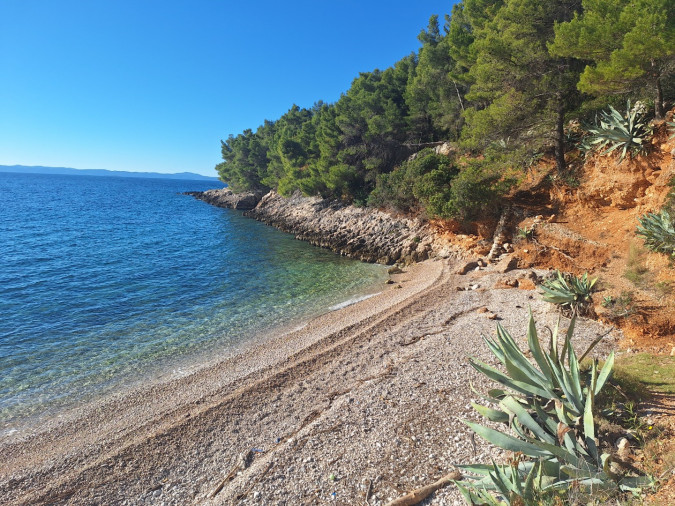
pixel 228 199
pixel 369 235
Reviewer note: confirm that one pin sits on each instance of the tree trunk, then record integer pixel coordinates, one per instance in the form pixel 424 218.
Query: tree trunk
pixel 658 106
pixel 560 137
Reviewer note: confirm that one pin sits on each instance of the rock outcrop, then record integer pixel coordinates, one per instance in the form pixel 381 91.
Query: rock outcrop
pixel 362 233
pixel 228 199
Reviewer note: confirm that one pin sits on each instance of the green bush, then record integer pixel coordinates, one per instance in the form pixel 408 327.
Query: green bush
pixel 549 406
pixel 658 232
pixel 423 181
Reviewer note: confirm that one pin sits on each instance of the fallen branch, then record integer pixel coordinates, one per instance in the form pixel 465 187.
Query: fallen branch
pixel 418 495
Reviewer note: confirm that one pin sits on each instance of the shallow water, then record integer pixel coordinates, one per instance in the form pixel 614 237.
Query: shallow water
pixel 104 281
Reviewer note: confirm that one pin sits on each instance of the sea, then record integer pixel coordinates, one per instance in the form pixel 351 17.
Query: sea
pixel 106 282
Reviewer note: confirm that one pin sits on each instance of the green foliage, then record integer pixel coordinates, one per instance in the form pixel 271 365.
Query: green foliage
pixel 476 191
pixel 570 292
pixel 499 77
pixel 434 183
pixel 613 130
pixel 434 95
pixel 627 44
pixel 658 232
pixel 525 233
pixel 519 89
pixel 424 179
pixel 550 407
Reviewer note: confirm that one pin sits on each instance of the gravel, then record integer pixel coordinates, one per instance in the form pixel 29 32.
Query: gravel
pixel 362 404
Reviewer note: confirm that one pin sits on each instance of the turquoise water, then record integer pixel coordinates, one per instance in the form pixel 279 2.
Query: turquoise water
pixel 104 281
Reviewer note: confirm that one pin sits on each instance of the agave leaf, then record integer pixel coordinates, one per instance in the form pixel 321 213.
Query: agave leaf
pixel 635 483
pixel 547 419
pixel 604 373
pixel 518 386
pixel 526 419
pixel 575 472
pixel 493 415
pixel 497 393
pixel 529 491
pixel 479 469
pixel 566 342
pixel 495 349
pixel 470 496
pixel 537 352
pixel 574 375
pixel 589 425
pixel 517 363
pixel 564 454
pixel 507 442
pixel 503 483
pixel 563 382
pixel 591 346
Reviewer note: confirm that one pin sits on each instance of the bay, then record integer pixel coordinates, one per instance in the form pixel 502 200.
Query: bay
pixel 108 281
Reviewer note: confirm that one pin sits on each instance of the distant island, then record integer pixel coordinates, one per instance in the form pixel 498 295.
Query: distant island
pixel 101 172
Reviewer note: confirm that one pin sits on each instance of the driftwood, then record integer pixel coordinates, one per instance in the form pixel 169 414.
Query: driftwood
pixel 418 495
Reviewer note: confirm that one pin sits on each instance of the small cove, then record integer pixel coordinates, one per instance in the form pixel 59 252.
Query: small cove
pixel 107 281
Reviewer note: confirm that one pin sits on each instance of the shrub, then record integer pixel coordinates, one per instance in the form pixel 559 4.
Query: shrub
pixel 572 293
pixel 421 181
pixel 658 232
pixel 478 190
pixel 615 131
pixel 550 408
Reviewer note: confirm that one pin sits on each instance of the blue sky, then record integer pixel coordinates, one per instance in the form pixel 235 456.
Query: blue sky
pixel 149 85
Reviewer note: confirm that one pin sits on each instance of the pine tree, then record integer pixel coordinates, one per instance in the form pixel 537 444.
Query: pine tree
pixel 628 43
pixel 520 92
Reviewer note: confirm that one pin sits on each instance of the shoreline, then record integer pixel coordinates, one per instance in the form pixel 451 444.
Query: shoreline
pixel 174 370
pixel 370 394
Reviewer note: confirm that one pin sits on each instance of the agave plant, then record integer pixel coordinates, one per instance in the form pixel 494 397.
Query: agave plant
pixel 612 130
pixel 549 406
pixel 671 127
pixel 570 292
pixel 658 232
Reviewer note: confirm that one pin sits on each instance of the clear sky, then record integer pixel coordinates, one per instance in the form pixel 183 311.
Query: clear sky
pixel 154 85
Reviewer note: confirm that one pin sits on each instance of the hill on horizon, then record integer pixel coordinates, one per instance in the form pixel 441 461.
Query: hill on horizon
pixel 102 172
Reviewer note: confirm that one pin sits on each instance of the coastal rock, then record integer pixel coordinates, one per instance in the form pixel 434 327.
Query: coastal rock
pixel 506 264
pixel 464 269
pixel 366 234
pixel 228 199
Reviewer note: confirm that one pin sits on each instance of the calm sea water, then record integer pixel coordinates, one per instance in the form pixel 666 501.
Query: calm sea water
pixel 104 281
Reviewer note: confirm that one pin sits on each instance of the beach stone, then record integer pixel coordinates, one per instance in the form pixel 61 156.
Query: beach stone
pixel 526 284
pixel 466 268
pixel 506 264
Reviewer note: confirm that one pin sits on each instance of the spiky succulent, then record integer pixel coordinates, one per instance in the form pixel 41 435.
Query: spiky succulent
pixel 658 232
pixel 549 406
pixel 613 131
pixel 570 292
pixel 671 128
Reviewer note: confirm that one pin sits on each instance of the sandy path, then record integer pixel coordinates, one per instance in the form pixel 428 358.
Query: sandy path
pixel 361 403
